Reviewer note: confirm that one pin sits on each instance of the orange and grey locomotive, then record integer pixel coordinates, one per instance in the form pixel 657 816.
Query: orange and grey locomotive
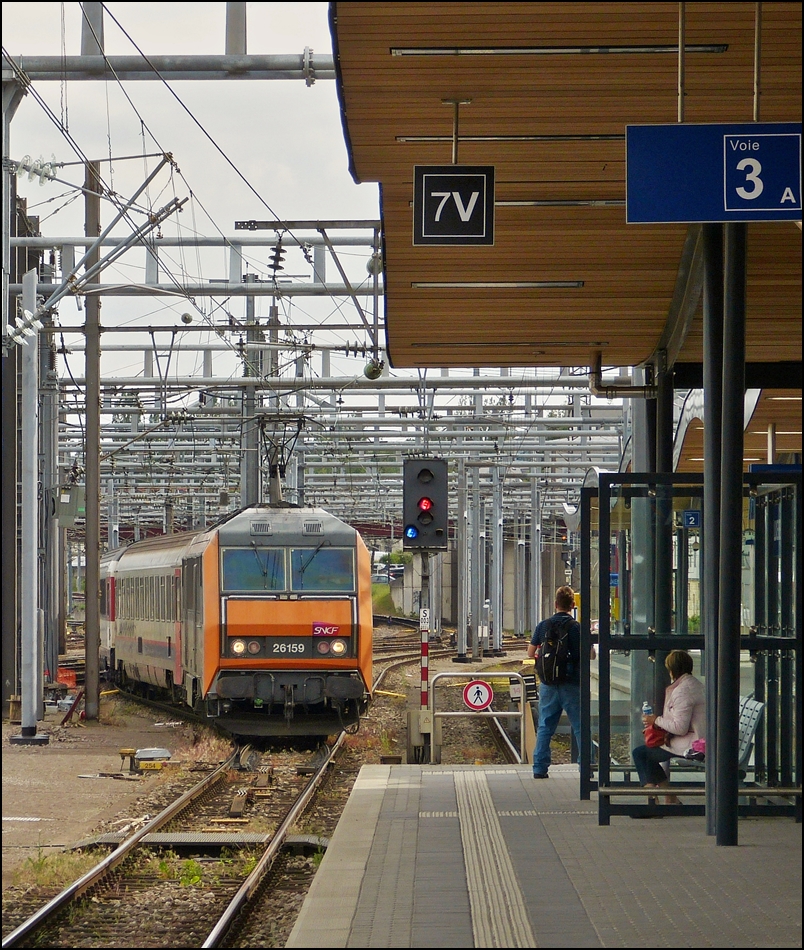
pixel 262 623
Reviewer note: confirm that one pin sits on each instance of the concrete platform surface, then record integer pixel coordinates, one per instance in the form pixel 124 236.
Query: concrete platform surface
pixel 468 856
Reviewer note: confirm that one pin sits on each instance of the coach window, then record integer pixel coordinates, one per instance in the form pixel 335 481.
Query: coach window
pixel 253 568
pixel 322 568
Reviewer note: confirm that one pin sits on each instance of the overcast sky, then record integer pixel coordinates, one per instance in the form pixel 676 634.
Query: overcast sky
pixel 284 137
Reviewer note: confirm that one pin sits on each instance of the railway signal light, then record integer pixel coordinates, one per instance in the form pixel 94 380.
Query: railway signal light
pixel 425 504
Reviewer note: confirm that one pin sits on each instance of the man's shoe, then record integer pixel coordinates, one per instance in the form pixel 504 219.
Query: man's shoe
pixel 540 775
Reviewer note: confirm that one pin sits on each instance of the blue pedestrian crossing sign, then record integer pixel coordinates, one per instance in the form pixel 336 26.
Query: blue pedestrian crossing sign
pixel 713 173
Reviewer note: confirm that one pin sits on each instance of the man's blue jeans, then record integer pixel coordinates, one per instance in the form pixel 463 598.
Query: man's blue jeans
pixel 552 700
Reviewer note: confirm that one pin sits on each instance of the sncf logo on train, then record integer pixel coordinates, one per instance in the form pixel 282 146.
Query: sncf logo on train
pixel 326 629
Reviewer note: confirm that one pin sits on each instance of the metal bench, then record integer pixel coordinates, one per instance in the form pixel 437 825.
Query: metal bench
pixel 750 715
pixel 751 711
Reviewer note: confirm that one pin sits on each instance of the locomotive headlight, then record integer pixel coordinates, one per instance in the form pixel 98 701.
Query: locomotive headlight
pixel 338 647
pixel 253 646
pixel 322 646
pixel 238 647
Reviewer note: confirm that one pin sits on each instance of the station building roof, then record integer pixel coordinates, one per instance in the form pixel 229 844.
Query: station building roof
pixel 545 92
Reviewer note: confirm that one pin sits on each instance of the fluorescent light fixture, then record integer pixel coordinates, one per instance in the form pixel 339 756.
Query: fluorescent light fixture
pixel 614 137
pixel 551 50
pixel 494 284
pixel 562 203
pixel 746 459
pixel 524 343
pixel 558 203
pixel 784 398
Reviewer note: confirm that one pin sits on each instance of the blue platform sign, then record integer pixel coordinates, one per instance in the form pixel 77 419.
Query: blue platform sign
pixel 692 518
pixel 715 173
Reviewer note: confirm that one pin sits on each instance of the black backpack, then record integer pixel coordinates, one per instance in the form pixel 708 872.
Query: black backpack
pixel 552 657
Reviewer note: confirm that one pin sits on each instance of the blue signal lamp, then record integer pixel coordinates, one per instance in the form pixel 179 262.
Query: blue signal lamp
pixel 411 531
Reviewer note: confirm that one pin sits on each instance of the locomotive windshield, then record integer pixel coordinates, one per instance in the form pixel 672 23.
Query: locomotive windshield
pixel 322 568
pixel 254 569
pixel 311 569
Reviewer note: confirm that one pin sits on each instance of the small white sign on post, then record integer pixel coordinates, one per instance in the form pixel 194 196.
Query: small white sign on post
pixel 424 618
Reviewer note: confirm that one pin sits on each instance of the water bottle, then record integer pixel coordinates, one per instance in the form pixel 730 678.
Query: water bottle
pixel 647 709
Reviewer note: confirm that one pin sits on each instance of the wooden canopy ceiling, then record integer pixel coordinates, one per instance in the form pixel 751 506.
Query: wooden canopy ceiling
pixel 547 90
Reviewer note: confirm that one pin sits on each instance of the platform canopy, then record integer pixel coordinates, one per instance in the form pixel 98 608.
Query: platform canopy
pixel 545 92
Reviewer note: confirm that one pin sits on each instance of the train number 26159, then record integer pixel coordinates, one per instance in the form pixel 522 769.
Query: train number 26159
pixel 288 647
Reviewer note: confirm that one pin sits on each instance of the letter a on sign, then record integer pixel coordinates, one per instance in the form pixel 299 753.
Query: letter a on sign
pixel 453 204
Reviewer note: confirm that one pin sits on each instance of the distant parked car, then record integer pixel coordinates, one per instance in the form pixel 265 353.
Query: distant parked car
pixel 379 578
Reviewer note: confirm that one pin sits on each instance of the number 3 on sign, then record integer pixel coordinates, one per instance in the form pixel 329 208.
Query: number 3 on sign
pixel 752 168
pixel 764 167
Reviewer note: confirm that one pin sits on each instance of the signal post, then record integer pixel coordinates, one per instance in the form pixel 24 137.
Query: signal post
pixel 425 511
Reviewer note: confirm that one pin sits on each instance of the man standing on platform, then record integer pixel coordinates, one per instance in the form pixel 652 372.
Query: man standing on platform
pixel 556 646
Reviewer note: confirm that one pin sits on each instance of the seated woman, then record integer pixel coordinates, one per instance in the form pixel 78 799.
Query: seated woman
pixel 683 718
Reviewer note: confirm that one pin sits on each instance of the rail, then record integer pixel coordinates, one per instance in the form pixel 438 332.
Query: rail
pixel 252 882
pixel 111 861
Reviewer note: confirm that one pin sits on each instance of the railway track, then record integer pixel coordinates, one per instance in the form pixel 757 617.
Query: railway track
pixel 244 897
pixel 147 898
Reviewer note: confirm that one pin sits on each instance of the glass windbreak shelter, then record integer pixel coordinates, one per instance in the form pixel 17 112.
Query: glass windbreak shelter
pixel 643 593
